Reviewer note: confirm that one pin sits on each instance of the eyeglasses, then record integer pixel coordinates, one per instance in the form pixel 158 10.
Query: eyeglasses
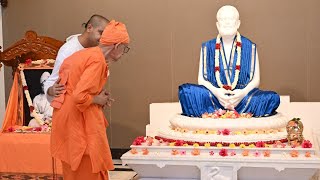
pixel 126 49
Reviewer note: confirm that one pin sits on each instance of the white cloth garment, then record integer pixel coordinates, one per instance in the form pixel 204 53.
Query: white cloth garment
pixel 42 107
pixel 71 46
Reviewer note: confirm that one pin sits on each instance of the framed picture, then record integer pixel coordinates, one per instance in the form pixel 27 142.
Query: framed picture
pixel 35 79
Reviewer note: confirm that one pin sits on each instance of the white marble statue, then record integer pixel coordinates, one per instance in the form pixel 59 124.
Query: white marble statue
pixel 229 74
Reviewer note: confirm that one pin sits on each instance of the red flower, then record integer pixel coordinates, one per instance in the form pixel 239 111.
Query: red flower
pixel 216 68
pixel 139 140
pixel 226 132
pixel 218 46
pixel 11 129
pixel 226 87
pixel 306 144
pixel 260 144
pixel 223 152
pixel 238 67
pixel 213 143
pixel 225 144
pixel 25 88
pixel 31 109
pixel 37 129
pixel 211 153
pixel 239 44
pixel 157 137
pixel 179 143
pixel 28 62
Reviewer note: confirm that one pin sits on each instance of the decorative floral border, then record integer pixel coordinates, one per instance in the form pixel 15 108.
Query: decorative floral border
pixel 139 141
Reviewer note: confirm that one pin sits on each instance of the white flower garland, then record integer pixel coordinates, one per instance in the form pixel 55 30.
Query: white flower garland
pixel 43 61
pixel 25 86
pixel 26 92
pixel 229 86
pixel 40 62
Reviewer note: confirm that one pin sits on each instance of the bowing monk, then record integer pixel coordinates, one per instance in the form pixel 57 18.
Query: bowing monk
pixel 78 136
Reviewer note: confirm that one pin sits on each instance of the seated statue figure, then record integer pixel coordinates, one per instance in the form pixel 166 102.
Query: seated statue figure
pixel 229 74
pixel 42 105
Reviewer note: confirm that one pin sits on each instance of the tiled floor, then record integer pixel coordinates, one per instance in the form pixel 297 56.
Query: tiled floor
pixel 122 175
pixel 122 172
pixel 114 175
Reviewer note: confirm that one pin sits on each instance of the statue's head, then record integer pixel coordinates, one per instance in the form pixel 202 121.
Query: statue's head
pixel 45 75
pixel 228 21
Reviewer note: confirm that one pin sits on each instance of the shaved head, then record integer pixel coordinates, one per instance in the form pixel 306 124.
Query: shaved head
pixel 93 30
pixel 227 9
pixel 96 20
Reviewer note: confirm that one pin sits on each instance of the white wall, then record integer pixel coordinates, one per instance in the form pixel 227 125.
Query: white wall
pixel 2 92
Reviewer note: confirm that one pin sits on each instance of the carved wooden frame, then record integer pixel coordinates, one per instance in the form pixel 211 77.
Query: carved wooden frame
pixel 4 3
pixel 32 47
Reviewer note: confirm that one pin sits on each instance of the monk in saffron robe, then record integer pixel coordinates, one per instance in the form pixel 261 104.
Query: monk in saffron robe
pixel 78 136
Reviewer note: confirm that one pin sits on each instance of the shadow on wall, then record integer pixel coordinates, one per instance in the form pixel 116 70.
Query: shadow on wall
pixel 128 134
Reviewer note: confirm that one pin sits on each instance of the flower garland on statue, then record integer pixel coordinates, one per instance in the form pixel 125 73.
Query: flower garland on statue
pixel 29 62
pixel 229 86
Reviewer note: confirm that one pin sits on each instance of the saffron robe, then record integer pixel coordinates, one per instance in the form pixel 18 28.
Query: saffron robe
pixel 196 100
pixel 78 126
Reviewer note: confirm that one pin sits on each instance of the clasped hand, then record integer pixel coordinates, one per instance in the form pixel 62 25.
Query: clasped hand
pixel 230 99
pixel 103 99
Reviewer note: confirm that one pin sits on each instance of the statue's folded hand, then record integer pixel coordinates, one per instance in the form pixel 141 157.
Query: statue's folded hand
pixel 236 96
pixel 222 96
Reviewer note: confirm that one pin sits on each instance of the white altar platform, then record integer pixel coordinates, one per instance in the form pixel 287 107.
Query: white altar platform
pixel 281 165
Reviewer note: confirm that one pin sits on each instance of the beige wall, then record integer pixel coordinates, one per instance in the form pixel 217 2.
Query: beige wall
pixel 166 36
